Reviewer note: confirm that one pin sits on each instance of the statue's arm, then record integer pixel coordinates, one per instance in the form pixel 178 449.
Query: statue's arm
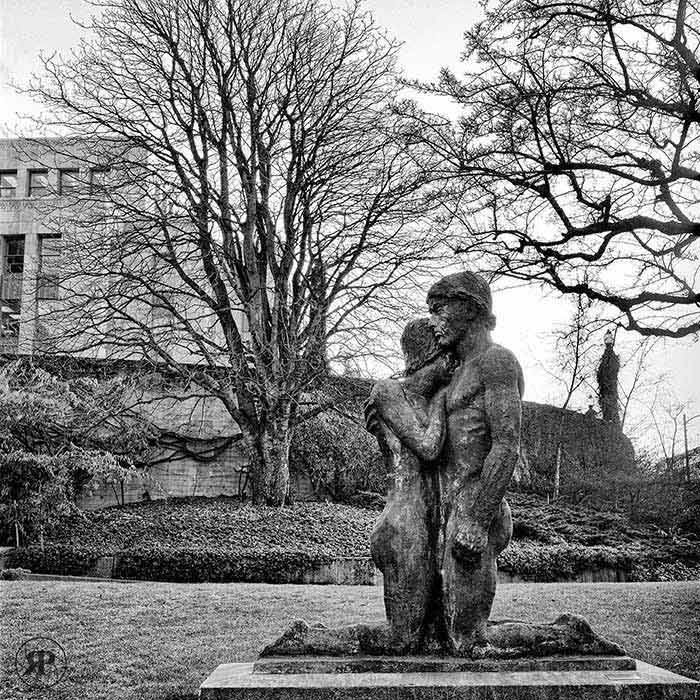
pixel 422 432
pixel 502 381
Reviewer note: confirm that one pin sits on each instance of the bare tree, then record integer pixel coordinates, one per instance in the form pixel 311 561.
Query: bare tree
pixel 666 413
pixel 259 208
pixel 640 380
pixel 576 350
pixel 577 153
pixel 574 347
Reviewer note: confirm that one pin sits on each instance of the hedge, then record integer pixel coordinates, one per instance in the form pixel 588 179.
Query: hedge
pixel 175 565
pixel 528 560
pixel 196 566
pixel 62 559
pixel 540 562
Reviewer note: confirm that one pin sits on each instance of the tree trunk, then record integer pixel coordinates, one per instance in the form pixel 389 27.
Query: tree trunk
pixel 557 474
pixel 270 470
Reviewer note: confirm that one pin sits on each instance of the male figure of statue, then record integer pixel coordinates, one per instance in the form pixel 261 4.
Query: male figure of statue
pixel 478 453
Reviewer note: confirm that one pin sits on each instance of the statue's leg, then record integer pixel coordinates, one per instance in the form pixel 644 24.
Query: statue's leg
pixel 469 585
pixel 401 549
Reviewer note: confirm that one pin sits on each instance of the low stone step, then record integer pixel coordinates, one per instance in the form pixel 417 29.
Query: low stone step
pixel 647 682
pixel 432 664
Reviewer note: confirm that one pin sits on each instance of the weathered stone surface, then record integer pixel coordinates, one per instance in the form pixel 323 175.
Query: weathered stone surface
pixel 568 634
pixel 434 664
pixel 505 639
pixel 450 435
pixel 238 682
pixel 317 639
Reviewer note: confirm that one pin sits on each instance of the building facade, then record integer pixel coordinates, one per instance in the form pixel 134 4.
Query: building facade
pixel 50 197
pixel 33 182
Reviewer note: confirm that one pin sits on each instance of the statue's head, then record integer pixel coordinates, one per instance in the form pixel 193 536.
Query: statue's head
pixel 459 304
pixel 428 365
pixel 419 344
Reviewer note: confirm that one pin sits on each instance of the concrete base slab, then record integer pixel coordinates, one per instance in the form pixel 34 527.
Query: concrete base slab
pixel 238 682
pixel 432 664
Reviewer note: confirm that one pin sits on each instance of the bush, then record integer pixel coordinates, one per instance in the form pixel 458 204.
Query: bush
pixel 194 566
pixel 664 571
pixel 533 561
pixel 14 574
pixel 338 455
pixel 66 560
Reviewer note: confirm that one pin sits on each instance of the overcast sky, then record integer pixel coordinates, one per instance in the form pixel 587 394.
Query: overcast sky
pixel 432 36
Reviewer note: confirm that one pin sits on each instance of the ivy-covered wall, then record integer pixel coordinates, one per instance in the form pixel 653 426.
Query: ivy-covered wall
pixel 594 454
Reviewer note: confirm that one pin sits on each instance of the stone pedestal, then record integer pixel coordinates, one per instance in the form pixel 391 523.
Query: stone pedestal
pixel 646 682
pixel 437 664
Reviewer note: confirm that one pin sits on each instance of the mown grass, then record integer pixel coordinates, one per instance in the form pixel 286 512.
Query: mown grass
pixel 156 641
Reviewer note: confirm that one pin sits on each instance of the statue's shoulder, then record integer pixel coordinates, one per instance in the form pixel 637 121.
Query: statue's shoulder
pixel 496 355
pixel 500 364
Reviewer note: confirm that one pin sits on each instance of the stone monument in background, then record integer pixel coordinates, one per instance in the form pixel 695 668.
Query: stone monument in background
pixel 449 431
pixel 608 369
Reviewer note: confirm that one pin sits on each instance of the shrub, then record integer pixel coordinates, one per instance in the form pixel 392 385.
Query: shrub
pixel 14 574
pixel 67 560
pixel 338 455
pixel 537 562
pixel 664 571
pixel 195 566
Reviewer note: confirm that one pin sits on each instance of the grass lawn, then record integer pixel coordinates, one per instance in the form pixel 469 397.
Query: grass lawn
pixel 156 641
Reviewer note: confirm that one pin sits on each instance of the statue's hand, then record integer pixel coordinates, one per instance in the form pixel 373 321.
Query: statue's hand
pixel 373 405
pixel 471 540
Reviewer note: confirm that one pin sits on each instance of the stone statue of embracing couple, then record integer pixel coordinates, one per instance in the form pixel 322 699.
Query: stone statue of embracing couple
pixel 449 432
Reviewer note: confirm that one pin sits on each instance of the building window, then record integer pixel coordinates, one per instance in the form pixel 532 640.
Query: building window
pixel 50 250
pixel 98 180
pixel 38 183
pixel 14 255
pixel 68 181
pixel 8 184
pixel 12 267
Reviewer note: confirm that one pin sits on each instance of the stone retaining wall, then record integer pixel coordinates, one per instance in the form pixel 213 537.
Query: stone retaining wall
pixel 357 571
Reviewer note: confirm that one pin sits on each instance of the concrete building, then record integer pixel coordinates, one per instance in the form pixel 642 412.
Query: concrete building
pixel 31 175
pixel 51 194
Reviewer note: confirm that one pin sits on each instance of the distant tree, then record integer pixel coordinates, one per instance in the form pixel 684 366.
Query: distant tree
pixel 576 161
pixel 266 209
pixel 666 413
pixel 574 358
pixel 642 380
